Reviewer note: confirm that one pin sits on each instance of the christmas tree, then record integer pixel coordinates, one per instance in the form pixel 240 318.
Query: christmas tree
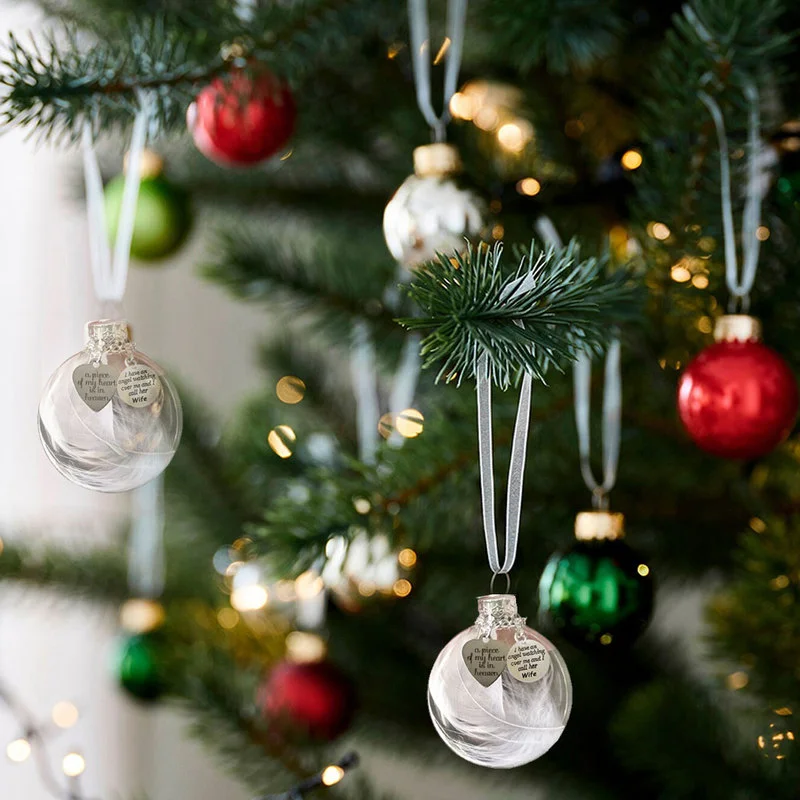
pixel 325 548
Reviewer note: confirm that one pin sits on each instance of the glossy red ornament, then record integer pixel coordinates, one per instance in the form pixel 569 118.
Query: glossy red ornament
pixel 738 398
pixel 242 118
pixel 313 699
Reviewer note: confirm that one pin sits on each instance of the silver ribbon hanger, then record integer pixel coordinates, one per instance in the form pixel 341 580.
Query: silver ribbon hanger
pixel 421 59
pixel 612 403
pixel 110 276
pixel 516 467
pixel 612 421
pixel 740 288
pixel 146 560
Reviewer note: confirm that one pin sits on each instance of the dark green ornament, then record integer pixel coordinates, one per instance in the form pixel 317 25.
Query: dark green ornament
pixel 138 669
pixel 787 188
pixel 599 593
pixel 162 221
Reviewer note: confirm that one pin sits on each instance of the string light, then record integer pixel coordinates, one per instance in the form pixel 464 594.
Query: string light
pixel 141 614
pixel 513 136
pixel 530 187
pixel 631 160
pixel 700 281
pixel 249 598
pixel 407 558
pixel 73 765
pixel 65 714
pixel 308 585
pixel 402 587
pixel 362 505
pixel 679 273
pixel 410 423
pixel 18 750
pixel 332 775
pixel 606 638
pixel 643 570
pixel 290 389
pixel 304 647
pixel 462 106
pixel 762 233
pixel 658 230
pixel 280 438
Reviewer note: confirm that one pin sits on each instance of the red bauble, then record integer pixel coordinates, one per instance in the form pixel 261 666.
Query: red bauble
pixel 313 699
pixel 240 119
pixel 738 399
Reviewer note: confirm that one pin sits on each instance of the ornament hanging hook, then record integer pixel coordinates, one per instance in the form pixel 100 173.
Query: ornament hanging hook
pixel 506 575
pixel 419 31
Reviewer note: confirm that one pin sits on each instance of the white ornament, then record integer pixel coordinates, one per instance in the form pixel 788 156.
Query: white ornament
pixel 506 721
pixel 109 418
pixel 430 213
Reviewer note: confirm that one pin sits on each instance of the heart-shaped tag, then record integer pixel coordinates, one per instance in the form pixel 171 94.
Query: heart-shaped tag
pixel 485 660
pixel 528 661
pixel 95 385
pixel 139 386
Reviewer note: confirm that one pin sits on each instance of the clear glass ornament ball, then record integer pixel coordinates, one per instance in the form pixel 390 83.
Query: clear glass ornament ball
pixel 508 723
pixel 118 447
pixel 429 215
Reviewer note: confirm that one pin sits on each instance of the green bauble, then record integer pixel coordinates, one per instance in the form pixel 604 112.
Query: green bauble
pixel 787 188
pixel 597 593
pixel 137 668
pixel 163 217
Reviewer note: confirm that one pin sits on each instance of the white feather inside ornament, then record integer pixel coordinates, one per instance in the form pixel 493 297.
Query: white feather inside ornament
pixel 511 721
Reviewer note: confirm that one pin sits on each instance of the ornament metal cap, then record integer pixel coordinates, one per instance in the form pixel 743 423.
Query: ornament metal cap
pixel 599 525
pixel 103 331
pixel 436 160
pixel 737 328
pixel 150 166
pixel 496 604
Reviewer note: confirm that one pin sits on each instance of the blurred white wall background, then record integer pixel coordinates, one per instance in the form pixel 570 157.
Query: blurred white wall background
pixel 53 649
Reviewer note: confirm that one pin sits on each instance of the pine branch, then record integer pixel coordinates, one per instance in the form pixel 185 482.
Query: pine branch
pixel 312 271
pixel 566 35
pixel 474 309
pixel 56 82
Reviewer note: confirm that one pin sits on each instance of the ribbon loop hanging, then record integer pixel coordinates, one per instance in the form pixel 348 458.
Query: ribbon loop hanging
pixel 740 287
pixel 146 569
pixel 612 419
pixel 110 276
pixel 421 59
pixel 516 469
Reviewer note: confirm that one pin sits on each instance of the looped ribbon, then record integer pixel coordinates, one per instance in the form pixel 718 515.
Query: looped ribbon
pixel 420 54
pixel 519 448
pixel 612 403
pixel 516 469
pixel 612 417
pixel 110 276
pixel 146 567
pixel 751 217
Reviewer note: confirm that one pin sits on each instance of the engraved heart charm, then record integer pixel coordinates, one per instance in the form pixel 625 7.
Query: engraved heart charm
pixel 139 386
pixel 485 660
pixel 95 385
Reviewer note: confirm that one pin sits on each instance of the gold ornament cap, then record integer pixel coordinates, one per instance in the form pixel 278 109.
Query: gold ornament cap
pixel 599 525
pixel 150 166
pixel 737 328
pixel 436 160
